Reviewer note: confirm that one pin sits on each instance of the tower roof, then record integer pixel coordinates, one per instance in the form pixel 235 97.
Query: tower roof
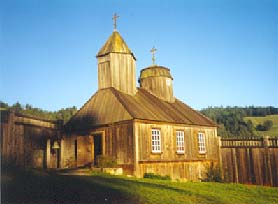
pixel 115 44
pixel 155 71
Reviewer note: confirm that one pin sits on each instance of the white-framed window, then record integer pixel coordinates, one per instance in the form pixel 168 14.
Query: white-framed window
pixel 180 141
pixel 201 143
pixel 156 141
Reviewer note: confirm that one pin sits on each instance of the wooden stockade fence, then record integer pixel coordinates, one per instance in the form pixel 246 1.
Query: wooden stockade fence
pixel 250 160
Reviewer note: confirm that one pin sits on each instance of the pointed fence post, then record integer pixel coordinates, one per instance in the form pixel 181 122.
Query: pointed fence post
pixel 268 169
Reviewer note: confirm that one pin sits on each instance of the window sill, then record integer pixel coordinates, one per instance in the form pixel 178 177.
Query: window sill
pixel 156 152
pixel 180 153
pixel 202 153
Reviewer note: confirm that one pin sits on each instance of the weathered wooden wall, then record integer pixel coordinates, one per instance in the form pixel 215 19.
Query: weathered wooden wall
pixel 117 143
pixel 169 161
pixel 84 151
pixel 177 170
pixel 117 70
pixel 24 140
pixel 159 86
pixel 68 154
pixel 250 161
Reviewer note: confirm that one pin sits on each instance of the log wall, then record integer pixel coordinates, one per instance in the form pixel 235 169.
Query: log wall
pixel 250 161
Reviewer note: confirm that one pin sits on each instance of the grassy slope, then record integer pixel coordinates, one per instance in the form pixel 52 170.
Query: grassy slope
pixel 257 120
pixel 39 187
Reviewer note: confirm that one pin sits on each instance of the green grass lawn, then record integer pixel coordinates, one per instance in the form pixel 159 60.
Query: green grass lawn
pixel 42 187
pixel 273 132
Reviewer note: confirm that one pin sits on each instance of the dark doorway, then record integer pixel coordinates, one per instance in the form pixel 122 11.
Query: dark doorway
pixel 75 150
pixel 97 147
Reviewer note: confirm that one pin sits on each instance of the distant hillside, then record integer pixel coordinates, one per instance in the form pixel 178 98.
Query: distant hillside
pixel 273 132
pixel 233 123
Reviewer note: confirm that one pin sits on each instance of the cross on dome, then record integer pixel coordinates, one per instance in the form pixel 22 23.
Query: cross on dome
pixel 153 50
pixel 115 20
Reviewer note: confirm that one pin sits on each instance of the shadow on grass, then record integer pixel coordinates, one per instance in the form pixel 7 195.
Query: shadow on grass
pixel 33 186
pixel 18 186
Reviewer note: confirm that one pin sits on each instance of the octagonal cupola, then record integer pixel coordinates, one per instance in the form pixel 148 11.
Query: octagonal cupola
pixel 158 81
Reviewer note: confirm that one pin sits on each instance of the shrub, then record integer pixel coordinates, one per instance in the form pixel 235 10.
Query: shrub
pixel 156 176
pixel 260 127
pixel 213 173
pixel 106 162
pixel 268 124
pixel 265 126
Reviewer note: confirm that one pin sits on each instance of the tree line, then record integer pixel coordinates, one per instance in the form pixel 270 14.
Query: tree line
pixel 229 119
pixel 231 122
pixel 63 114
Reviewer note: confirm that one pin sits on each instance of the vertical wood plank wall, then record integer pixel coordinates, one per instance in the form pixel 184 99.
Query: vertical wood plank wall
pixel 188 166
pixel 117 70
pixel 68 154
pixel 158 86
pixel 117 143
pixel 253 161
pixel 23 140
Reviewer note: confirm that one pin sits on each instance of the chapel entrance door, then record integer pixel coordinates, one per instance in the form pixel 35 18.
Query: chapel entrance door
pixel 97 147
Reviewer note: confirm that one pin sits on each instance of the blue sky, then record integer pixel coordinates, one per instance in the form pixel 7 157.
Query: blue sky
pixel 220 52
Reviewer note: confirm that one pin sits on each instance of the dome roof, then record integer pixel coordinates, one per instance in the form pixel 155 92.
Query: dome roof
pixel 115 44
pixel 155 71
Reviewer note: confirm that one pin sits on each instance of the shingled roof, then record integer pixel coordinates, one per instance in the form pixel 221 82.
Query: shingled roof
pixel 109 105
pixel 115 44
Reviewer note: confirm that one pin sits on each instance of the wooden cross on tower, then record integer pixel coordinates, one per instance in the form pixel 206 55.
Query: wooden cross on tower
pixel 153 50
pixel 115 20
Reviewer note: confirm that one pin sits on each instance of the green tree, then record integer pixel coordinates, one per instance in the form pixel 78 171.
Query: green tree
pixel 4 105
pixel 17 107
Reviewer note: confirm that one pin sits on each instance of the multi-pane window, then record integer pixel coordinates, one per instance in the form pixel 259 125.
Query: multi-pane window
pixel 201 142
pixel 180 141
pixel 156 141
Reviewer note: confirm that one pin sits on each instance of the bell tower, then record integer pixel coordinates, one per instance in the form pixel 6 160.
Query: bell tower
pixel 116 64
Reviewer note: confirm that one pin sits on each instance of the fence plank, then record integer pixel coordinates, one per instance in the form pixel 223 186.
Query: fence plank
pixel 250 160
